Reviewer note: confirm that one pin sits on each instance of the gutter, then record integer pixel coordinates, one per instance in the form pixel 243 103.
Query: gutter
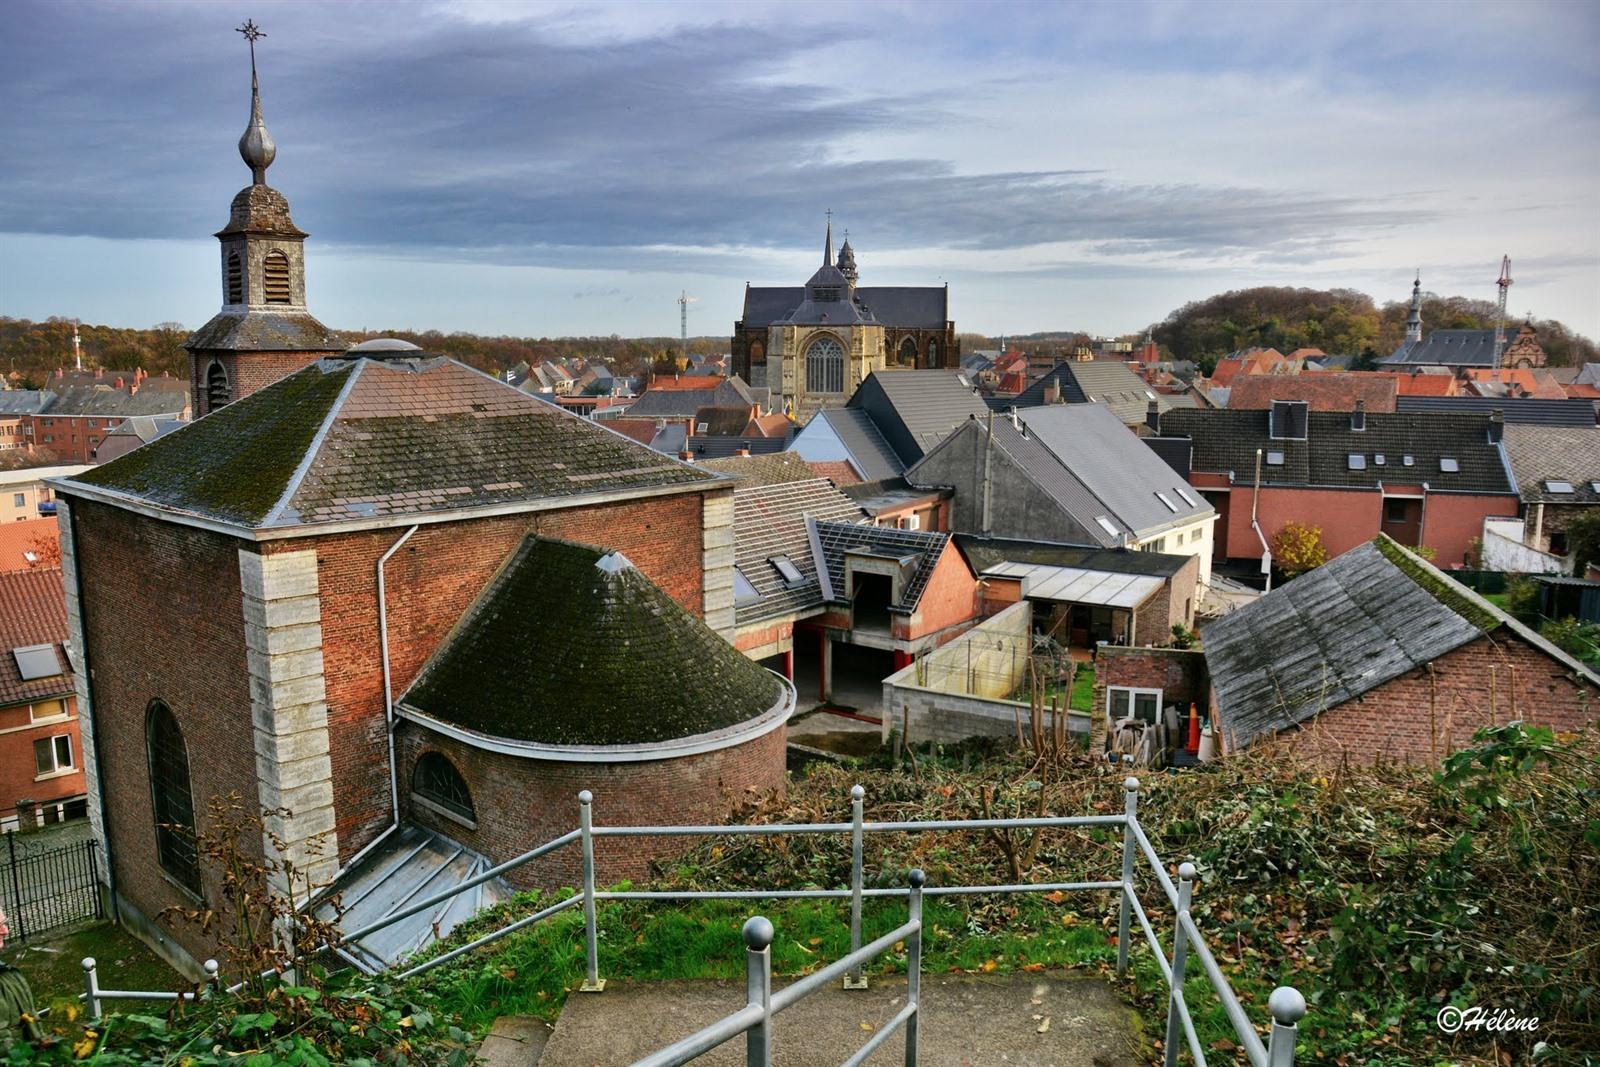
pixel 88 685
pixel 388 706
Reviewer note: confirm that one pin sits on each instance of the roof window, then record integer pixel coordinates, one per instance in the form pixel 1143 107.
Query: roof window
pixel 1274 459
pixel 1288 420
pixel 1377 459
pixel 1594 487
pixel 1407 461
pixel 1170 505
pixel 1187 499
pixel 1448 464
pixel 36 661
pixel 787 570
pixel 1357 461
pixel 1557 485
pixel 1105 524
pixel 743 591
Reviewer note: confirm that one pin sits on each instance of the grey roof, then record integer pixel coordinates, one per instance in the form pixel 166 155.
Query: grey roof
pixel 24 401
pixel 1452 348
pixel 146 427
pixel 265 331
pixel 1103 381
pixel 915 409
pixel 1226 440
pixel 1341 630
pixel 769 519
pixel 1588 375
pixel 986 552
pixel 102 400
pixel 1540 454
pixel 924 548
pixel 903 306
pixel 715 447
pixel 1575 412
pixel 877 497
pixel 683 403
pixel 870 454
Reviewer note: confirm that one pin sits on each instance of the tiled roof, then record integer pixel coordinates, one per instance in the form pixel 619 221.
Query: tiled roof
pixel 1100 381
pixel 838 471
pixel 1339 631
pixel 570 645
pixel 17 541
pixel 915 307
pixel 33 611
pixel 701 446
pixel 1227 440
pixel 1324 392
pixel 770 520
pixel 1543 412
pixel 1517 381
pixel 722 421
pixel 24 401
pixel 355 439
pixel 925 548
pixel 771 469
pixel 1541 454
pixel 672 398
pixel 915 409
pixel 266 331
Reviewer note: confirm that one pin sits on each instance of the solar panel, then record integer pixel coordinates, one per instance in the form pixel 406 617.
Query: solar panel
pixel 36 661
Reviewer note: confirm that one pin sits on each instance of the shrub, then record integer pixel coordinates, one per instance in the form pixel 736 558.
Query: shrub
pixel 1297 547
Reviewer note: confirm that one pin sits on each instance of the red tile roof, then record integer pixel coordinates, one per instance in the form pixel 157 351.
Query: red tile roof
pixel 687 382
pixel 837 471
pixel 33 611
pixel 17 538
pixel 1324 392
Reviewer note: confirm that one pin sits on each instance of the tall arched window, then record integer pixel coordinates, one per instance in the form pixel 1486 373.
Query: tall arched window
pixel 217 394
pixel 275 278
pixel 908 352
pixel 825 366
pixel 437 781
pixel 933 353
pixel 235 279
pixel 170 796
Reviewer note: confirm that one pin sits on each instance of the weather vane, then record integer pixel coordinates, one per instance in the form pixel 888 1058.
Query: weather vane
pixel 252 33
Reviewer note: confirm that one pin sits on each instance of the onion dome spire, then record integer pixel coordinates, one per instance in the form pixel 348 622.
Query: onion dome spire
pixel 256 146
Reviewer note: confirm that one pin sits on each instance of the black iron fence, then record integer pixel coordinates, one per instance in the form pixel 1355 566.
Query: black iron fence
pixel 43 890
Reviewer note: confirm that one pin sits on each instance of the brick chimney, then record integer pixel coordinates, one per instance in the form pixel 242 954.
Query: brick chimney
pixel 1052 391
pixel 1497 426
pixel 744 450
pixel 1152 417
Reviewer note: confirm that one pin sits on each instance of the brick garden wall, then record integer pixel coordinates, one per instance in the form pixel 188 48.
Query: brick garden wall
pixel 523 802
pixel 1180 674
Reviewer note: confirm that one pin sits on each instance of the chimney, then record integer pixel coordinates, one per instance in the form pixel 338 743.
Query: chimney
pixel 1358 417
pixel 686 455
pixel 743 451
pixel 1152 417
pixel 1052 391
pixel 1497 426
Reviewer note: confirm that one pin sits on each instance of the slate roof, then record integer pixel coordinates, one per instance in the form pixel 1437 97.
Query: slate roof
pixel 1579 412
pixel 266 331
pixel 906 306
pixel 1452 348
pixel 33 611
pixel 571 645
pixel 349 439
pixel 102 400
pixel 146 427
pixel 836 539
pixel 769 519
pixel 24 401
pixel 984 553
pixel 663 401
pixel 1341 630
pixel 1103 381
pixel 870 454
pixel 1540 454
pixel 1227 440
pixel 915 409
pixel 774 469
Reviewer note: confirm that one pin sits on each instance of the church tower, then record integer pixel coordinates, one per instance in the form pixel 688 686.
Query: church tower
pixel 263 331
pixel 1414 320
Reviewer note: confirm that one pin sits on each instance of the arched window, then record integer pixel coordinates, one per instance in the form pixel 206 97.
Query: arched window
pixel 908 352
pixel 758 351
pixel 170 796
pixel 933 353
pixel 437 781
pixel 235 279
pixel 825 366
pixel 217 394
pixel 275 278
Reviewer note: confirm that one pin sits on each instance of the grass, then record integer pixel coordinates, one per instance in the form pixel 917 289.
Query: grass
pixel 55 971
pixel 1083 688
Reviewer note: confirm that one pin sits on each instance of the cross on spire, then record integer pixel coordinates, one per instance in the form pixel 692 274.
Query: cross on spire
pixel 256 145
pixel 252 33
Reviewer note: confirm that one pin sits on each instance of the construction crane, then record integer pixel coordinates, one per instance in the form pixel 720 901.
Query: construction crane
pixel 1500 316
pixel 684 300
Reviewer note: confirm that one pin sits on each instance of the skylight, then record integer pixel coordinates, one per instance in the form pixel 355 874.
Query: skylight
pixel 1358 462
pixel 1105 524
pixel 1170 505
pixel 36 661
pixel 1377 459
pixel 1594 487
pixel 1448 464
pixel 1274 459
pixel 787 570
pixel 1187 499
pixel 1556 485
pixel 743 591
pixel 1407 461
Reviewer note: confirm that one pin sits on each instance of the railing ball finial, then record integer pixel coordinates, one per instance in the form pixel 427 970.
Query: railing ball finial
pixel 758 932
pixel 585 797
pixel 857 792
pixel 88 963
pixel 1287 1005
pixel 1130 784
pixel 1186 871
pixel 211 970
pixel 917 878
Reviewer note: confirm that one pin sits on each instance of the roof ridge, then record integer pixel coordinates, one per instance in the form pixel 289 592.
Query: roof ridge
pixel 315 446
pixel 1090 524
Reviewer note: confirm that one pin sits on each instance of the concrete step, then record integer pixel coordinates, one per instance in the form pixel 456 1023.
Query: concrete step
pixel 514 1041
pixel 967 1021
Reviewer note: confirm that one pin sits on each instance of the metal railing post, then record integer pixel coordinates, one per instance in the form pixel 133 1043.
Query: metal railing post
pixel 855 979
pixel 1130 788
pixel 758 934
pixel 91 989
pixel 914 966
pixel 592 982
pixel 1180 959
pixel 1288 1007
pixel 213 984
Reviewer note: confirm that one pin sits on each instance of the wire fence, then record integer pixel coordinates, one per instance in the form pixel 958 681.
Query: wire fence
pixel 43 891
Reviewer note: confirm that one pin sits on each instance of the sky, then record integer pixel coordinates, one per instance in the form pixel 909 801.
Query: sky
pixel 550 169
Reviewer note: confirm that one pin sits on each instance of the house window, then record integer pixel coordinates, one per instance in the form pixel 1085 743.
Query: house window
pixel 170 797
pixel 1394 510
pixel 275 278
pixel 1125 701
pixel 437 782
pixel 19 499
pixel 53 755
pixel 1556 485
pixel 825 366
pixel 235 279
pixel 1448 465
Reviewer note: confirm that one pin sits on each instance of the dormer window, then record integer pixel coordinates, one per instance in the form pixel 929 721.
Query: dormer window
pixel 1288 420
pixel 275 278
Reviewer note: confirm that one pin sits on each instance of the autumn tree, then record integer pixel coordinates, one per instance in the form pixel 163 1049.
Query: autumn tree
pixel 1297 547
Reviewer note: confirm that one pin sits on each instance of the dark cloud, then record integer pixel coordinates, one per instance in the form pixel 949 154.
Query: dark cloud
pixel 403 130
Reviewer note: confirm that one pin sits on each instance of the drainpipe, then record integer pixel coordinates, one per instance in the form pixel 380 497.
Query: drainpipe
pixel 388 704
pixel 1266 550
pixel 88 687
pixel 988 462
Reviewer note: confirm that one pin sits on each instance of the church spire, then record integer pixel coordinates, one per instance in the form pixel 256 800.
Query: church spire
pixel 256 146
pixel 827 247
pixel 1414 320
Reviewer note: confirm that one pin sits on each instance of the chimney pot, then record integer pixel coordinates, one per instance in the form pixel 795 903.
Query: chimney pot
pixel 1497 426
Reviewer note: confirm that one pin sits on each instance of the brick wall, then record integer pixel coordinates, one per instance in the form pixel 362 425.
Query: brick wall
pixel 1173 603
pixel 247 372
pixel 163 619
pixel 1452 521
pixel 1180 674
pixel 1424 714
pixel 950 599
pixel 533 801
pixel 18 770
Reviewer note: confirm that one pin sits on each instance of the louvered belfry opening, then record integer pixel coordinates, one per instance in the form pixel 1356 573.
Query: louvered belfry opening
pixel 216 387
pixel 235 279
pixel 275 278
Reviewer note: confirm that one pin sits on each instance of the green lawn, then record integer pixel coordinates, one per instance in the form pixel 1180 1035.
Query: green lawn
pixel 55 970
pixel 1083 688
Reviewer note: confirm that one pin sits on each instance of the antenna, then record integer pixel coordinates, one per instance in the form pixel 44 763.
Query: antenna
pixel 1500 315
pixel 684 300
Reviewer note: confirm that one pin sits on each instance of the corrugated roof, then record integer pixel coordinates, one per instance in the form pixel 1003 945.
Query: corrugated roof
pixel 33 611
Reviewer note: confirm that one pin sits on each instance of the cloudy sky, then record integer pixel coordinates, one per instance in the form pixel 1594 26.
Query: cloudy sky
pixel 559 169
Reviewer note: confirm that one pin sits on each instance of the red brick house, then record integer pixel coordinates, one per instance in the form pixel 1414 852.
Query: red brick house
pixel 41 761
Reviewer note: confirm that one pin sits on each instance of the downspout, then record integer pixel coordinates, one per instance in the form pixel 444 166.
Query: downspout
pixel 388 704
pixel 1266 550
pixel 88 685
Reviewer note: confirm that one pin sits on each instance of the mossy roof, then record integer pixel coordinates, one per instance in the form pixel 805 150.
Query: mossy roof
pixel 351 439
pixel 571 645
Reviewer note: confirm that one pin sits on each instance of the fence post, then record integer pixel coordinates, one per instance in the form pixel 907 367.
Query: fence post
pixel 94 879
pixel 854 979
pixel 1180 960
pixel 16 883
pixel 914 966
pixel 592 982
pixel 1288 1007
pixel 213 983
pixel 91 989
pixel 1130 789
pixel 758 935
